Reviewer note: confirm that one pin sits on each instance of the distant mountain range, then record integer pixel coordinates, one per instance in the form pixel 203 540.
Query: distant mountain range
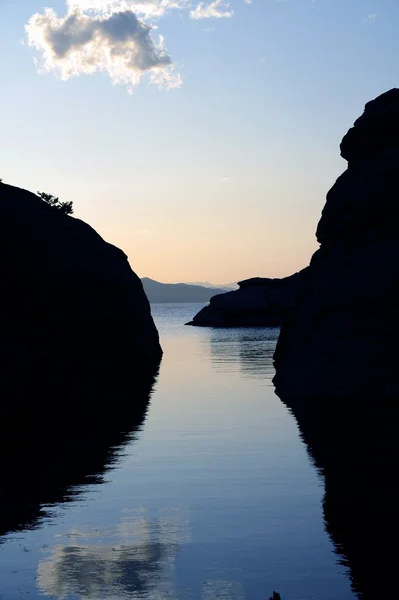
pixel 179 292
pixel 223 286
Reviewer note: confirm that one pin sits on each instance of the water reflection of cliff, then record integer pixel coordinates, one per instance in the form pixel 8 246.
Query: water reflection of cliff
pixel 62 435
pixel 355 446
pixel 251 348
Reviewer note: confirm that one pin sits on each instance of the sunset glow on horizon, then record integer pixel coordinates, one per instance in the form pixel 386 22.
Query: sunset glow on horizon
pixel 199 137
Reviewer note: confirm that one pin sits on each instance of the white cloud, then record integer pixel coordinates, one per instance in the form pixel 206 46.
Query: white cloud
pixel 370 18
pixel 119 43
pixel 215 10
pixel 144 8
pixel 113 36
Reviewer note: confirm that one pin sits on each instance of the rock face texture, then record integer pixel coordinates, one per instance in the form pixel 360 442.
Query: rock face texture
pixel 341 340
pixel 259 302
pixel 67 298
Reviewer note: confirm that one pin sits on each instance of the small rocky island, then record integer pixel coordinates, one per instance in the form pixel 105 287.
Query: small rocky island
pixel 68 298
pixel 259 302
pixel 341 339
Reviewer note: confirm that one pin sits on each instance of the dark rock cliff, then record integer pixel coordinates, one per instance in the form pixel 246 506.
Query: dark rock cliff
pixel 341 339
pixel 68 299
pixel 259 302
pixel 336 358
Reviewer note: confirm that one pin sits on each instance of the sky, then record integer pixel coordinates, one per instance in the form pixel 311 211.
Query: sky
pixel 199 137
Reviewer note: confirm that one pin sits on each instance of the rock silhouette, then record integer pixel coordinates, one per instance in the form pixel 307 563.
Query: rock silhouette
pixel 341 339
pixel 66 296
pixel 337 353
pixel 259 302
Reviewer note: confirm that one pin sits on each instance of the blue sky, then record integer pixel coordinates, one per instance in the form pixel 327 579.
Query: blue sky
pixel 224 175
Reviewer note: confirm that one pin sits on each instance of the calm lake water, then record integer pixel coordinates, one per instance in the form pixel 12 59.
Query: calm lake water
pixel 213 497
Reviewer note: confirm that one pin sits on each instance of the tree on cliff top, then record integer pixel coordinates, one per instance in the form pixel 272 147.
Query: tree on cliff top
pixel 65 207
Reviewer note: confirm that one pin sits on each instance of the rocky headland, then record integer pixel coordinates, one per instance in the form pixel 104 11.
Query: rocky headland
pixel 68 299
pixel 259 302
pixel 341 339
pixel 336 357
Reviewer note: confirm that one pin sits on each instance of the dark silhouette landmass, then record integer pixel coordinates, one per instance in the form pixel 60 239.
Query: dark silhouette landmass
pixel 79 353
pixel 66 295
pixel 336 358
pixel 176 292
pixel 341 340
pixel 259 302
